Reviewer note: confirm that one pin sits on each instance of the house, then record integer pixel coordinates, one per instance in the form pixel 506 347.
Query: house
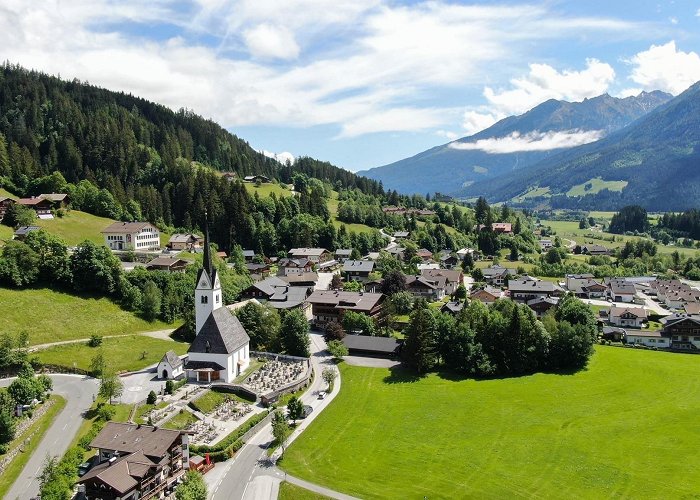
pixel 258 269
pixel 425 254
pixel 287 266
pixel 683 331
pixel 263 179
pixel 497 275
pixel 487 294
pixel 502 227
pixel 462 252
pixel 541 305
pixel 357 270
pixel 57 200
pixel 315 255
pixel 678 299
pixel 229 176
pixel 221 254
pixel 22 232
pixel 398 252
pixel 583 285
pixel 374 286
pixel 525 290
pixel 184 241
pixel 343 254
pixel 380 347
pixel 5 204
pixel 613 333
pixel 220 349
pixel 691 308
pixel 449 261
pixel 171 366
pixel 303 279
pixel 655 339
pixel 279 294
pixel 41 206
pixel 139 236
pixel 136 461
pixel 427 288
pixel 620 290
pixel 452 307
pixel 594 249
pixel 248 255
pixel 632 317
pixel 453 278
pixel 168 263
pixel 545 245
pixel 401 235
pixel 330 305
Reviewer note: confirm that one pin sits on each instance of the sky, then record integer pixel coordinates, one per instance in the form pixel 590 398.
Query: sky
pixel 359 83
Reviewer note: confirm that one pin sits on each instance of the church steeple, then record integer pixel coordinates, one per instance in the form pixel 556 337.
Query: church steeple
pixel 207 295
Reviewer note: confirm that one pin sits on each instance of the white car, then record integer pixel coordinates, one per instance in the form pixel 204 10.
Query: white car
pixel 322 395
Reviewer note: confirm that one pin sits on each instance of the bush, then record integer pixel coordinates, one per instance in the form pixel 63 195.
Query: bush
pixel 95 341
pixel 169 387
pixel 152 398
pixel 106 412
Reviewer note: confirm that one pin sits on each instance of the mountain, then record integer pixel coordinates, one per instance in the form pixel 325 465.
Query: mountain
pixel 654 162
pixel 514 143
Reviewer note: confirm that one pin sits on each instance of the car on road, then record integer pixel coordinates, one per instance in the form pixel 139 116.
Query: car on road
pixel 322 395
pixel 307 411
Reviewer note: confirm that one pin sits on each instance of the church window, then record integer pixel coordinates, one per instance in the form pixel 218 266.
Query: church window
pixel 217 298
pixel 205 299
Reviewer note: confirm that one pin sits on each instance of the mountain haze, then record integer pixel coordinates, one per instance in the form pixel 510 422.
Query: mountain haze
pixel 654 162
pixel 514 143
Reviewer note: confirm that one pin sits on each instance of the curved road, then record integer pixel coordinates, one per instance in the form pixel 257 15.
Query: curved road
pixel 79 392
pixel 250 475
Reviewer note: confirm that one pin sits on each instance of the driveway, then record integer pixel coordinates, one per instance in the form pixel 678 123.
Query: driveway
pixel 79 392
pixel 324 281
pixel 371 362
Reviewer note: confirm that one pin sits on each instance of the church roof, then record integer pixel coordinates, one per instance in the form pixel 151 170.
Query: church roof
pixel 221 333
pixel 172 359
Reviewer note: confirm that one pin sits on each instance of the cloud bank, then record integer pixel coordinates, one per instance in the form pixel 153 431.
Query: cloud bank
pixel 533 141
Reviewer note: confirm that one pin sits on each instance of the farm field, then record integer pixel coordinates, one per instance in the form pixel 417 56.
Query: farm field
pixel 52 316
pixel 592 434
pixel 594 186
pixel 127 353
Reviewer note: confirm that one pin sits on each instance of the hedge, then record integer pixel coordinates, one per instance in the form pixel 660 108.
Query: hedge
pixel 225 448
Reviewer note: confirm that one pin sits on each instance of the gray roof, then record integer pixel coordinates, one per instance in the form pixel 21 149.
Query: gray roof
pixel 306 252
pixel 452 275
pixel 343 251
pixel 353 301
pixel 495 270
pixel 221 333
pixel 363 266
pixel 622 288
pixel 184 238
pixel 533 286
pixel 172 359
pixel 21 231
pixel 366 343
pixel 452 306
pixel 129 438
pixel 123 474
pixel 248 253
pixel 127 227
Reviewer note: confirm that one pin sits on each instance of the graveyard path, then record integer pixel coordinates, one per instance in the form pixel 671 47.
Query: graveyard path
pixel 252 474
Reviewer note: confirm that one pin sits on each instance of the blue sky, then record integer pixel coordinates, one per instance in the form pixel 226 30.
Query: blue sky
pixel 359 83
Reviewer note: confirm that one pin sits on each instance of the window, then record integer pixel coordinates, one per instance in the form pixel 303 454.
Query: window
pixel 205 299
pixel 217 298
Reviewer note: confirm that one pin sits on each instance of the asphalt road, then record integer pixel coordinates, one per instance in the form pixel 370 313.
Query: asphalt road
pixel 251 475
pixel 78 391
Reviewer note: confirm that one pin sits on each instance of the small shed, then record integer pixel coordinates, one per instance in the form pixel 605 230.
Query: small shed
pixel 171 366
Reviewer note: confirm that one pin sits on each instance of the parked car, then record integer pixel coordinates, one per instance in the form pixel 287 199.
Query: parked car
pixel 322 395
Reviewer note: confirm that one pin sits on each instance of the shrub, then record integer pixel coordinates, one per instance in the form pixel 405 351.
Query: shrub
pixel 106 412
pixel 95 341
pixel 169 387
pixel 152 398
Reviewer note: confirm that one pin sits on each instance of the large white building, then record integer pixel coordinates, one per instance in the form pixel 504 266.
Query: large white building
pixel 220 350
pixel 137 236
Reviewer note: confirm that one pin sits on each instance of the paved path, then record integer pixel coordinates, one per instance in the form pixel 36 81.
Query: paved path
pixel 79 392
pixel 371 362
pixel 158 334
pixel 251 475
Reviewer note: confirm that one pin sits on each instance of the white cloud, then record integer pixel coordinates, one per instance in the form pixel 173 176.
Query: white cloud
pixel 664 67
pixel 474 121
pixel 447 134
pixel 268 41
pixel 533 141
pixel 362 65
pixel 282 158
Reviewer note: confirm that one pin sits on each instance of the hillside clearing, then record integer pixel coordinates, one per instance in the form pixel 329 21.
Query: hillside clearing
pixel 51 316
pixel 76 226
pixel 265 190
pixel 588 435
pixel 594 186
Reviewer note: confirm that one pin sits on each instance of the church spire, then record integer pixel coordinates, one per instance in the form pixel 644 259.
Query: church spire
pixel 207 251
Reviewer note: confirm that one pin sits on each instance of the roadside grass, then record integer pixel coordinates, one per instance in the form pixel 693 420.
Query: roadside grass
pixel 76 226
pixel 8 476
pixel 180 421
pixel 53 316
pixel 590 434
pixel 143 410
pixel 124 353
pixel 289 491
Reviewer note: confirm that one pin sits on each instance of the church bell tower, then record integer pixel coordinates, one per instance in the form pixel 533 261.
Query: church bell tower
pixel 207 295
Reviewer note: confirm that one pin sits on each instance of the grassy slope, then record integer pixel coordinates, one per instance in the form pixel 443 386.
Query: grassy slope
pixel 51 316
pixel 289 491
pixel 267 189
pixel 7 478
pixel 121 353
pixel 76 227
pixel 613 430
pixel 333 208
pixel 597 185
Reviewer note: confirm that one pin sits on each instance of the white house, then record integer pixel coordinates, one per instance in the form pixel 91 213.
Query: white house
pixel 220 350
pixel 649 339
pixel 627 316
pixel 138 236
pixel 170 366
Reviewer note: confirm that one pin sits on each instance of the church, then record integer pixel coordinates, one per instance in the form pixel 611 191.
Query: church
pixel 220 350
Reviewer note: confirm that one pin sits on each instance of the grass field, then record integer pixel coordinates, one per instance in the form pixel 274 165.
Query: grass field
pixel 209 401
pixel 332 204
pixel 75 227
pixel 37 431
pixel 6 232
pixel 141 412
pixel 289 491
pixel 124 353
pixel 180 421
pixel 595 186
pixel 51 316
pixel 614 430
pixel 267 189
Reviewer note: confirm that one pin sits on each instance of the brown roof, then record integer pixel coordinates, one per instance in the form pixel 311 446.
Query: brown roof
pixel 452 275
pixel 30 202
pixel 306 252
pixel 129 438
pixel 54 196
pixel 122 474
pixel 127 227
pixel 639 312
pixel 692 307
pixel 168 262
